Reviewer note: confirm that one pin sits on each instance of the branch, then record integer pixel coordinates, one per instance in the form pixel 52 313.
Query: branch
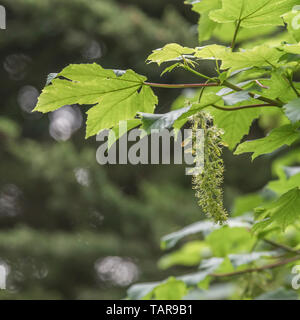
pixel 281 246
pixel 244 107
pixel 254 96
pixel 266 267
pixel 235 87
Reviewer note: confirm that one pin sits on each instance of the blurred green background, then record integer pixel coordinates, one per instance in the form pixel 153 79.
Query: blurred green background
pixel 70 228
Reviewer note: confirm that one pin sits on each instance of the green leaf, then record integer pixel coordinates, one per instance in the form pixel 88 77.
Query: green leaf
pixel 279 87
pixel 189 255
pixel 292 18
pixel 235 124
pixel 227 240
pixel 259 56
pixel 171 240
pixel 279 294
pixel 139 291
pixel 293 157
pixel 201 6
pixel 285 135
pixel 236 97
pixel 211 52
pixel 147 290
pixel 245 204
pixel 253 14
pixel 161 121
pixel 88 72
pixel 118 106
pixel 207 267
pixel 291 48
pixel 172 289
pixel 117 98
pixel 292 110
pixel 281 213
pixel 205 26
pixel 170 68
pixel 115 133
pixel 285 184
pixel 238 260
pixel 170 52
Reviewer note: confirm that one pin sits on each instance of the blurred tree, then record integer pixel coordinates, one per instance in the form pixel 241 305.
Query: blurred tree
pixel 61 214
pixel 68 227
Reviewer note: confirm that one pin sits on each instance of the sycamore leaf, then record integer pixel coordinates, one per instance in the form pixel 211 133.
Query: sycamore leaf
pixel 116 96
pixel 246 203
pixel 279 294
pixel 172 289
pixel 146 290
pixel 189 254
pixel 285 135
pixel 259 56
pixel 284 184
pixel 119 106
pixel 170 68
pixel 88 72
pixel 115 133
pixel 292 110
pixel 292 19
pixel 140 290
pixel 253 14
pixel 236 97
pixel 291 48
pixel 281 213
pixel 213 51
pixel 235 124
pixel 279 87
pixel 161 121
pixel 206 26
pixel 289 159
pixel 227 240
pixel 171 240
pixel 170 52
pixel 201 6
pixel 246 258
pixel 207 267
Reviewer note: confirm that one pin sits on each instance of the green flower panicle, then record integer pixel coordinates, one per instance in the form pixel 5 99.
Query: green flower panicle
pixel 208 183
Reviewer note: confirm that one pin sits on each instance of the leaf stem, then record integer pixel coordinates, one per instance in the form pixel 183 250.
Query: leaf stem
pixel 266 267
pixel 188 68
pixel 235 34
pixel 290 80
pixel 179 86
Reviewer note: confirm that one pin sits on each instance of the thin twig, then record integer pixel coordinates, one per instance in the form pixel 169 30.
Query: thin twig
pixel 266 267
pixel 235 35
pixel 290 80
pixel 243 107
pixel 281 246
pixel 254 96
